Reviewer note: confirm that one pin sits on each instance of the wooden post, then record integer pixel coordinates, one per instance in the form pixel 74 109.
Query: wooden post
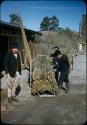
pixel 72 62
pixel 30 74
pixel 27 53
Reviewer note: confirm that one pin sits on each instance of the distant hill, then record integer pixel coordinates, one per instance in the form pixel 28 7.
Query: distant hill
pixel 65 39
pixel 62 38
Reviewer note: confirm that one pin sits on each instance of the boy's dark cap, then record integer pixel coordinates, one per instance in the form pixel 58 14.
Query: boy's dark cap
pixel 57 52
pixel 56 47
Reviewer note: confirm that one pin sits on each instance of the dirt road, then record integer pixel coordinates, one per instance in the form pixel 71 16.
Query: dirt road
pixel 78 74
pixel 64 108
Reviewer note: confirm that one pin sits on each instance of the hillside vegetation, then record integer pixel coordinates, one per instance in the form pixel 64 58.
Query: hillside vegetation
pixel 65 39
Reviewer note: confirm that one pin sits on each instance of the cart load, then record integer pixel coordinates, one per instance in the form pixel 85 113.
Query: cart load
pixel 43 77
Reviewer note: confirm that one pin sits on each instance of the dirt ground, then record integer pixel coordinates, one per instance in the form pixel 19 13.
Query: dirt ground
pixel 62 109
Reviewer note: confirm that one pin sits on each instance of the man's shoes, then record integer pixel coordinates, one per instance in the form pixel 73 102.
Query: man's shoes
pixel 66 90
pixel 9 100
pixel 14 99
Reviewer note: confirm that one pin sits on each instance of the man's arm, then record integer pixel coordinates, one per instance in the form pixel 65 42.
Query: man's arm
pixel 6 63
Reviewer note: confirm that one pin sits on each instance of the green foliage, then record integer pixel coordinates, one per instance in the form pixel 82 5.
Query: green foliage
pixel 49 24
pixel 14 19
pixel 45 24
pixel 54 23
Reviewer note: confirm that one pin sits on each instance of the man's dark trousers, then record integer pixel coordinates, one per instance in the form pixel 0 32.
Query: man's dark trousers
pixel 64 78
pixel 57 76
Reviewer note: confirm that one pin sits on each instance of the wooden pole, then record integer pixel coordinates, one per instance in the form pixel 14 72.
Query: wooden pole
pixel 27 54
pixel 30 74
pixel 72 62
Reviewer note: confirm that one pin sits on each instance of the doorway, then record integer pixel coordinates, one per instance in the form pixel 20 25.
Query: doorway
pixel 3 50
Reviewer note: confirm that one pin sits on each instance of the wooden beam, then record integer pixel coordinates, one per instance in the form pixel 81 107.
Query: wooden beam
pixel 9 35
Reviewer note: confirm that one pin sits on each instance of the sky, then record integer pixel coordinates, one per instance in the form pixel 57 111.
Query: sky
pixel 68 12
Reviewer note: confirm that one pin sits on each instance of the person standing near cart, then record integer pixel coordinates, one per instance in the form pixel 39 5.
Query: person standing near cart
pixel 12 66
pixel 56 62
pixel 64 71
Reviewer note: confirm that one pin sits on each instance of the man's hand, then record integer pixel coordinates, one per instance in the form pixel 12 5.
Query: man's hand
pixel 51 59
pixel 3 73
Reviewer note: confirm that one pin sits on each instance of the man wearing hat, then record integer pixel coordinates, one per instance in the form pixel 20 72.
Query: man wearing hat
pixel 12 66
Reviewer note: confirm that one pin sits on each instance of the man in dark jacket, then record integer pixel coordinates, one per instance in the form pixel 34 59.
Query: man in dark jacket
pixel 12 66
pixel 64 71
